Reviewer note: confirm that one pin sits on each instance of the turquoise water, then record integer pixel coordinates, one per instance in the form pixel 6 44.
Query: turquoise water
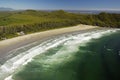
pixel 98 59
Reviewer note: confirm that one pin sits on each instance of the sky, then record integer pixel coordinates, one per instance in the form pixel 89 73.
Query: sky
pixel 62 4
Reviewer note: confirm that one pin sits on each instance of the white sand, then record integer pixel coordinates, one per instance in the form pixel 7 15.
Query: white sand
pixel 10 44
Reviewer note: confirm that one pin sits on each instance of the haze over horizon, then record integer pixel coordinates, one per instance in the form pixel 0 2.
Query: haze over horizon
pixel 62 4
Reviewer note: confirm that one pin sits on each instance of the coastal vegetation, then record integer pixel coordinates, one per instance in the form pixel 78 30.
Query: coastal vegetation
pixel 17 23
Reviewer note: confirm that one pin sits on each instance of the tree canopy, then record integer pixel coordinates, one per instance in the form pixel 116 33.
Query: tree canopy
pixel 30 21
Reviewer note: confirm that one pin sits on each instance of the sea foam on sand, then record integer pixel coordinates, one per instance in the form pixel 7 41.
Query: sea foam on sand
pixel 14 64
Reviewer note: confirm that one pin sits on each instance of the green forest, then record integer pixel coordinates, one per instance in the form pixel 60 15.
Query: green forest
pixel 30 21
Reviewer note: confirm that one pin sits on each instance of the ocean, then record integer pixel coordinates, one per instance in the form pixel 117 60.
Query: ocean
pixel 87 56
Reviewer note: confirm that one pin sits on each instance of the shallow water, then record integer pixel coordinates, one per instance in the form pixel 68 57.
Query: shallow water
pixel 77 58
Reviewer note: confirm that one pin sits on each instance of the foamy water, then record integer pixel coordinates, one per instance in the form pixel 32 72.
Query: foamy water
pixel 15 63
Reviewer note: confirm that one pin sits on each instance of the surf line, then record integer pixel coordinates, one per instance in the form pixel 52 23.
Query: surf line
pixel 8 68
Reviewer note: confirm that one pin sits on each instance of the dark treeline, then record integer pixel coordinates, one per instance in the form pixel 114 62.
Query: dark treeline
pixel 30 21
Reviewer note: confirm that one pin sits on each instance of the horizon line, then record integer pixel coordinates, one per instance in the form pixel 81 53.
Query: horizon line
pixel 64 9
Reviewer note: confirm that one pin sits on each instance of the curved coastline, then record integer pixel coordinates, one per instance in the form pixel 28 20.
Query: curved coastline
pixel 43 36
pixel 10 44
pixel 22 59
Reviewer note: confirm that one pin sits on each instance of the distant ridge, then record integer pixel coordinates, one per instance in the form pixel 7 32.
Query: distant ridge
pixel 93 11
pixel 88 11
pixel 6 9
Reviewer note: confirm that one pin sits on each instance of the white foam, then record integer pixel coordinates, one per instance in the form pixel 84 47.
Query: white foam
pixel 9 78
pixel 7 69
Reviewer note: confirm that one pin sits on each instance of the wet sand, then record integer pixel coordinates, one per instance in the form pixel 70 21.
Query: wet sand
pixel 10 44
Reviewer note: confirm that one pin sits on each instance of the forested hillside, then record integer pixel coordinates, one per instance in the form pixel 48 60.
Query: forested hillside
pixel 30 21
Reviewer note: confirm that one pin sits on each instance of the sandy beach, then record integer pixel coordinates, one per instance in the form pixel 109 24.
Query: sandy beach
pixel 10 44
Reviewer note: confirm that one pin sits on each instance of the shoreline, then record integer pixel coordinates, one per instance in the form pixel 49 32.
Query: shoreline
pixel 10 44
pixel 15 63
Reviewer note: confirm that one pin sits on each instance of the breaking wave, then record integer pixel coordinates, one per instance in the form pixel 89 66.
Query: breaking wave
pixel 66 43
